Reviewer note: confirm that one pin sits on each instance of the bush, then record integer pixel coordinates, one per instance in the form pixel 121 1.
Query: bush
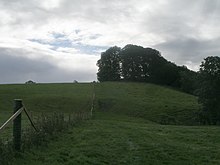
pixel 48 127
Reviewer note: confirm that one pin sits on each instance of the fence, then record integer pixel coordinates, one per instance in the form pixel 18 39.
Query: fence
pixel 16 118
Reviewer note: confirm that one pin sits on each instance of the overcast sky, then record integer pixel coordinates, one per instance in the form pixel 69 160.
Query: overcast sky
pixel 61 40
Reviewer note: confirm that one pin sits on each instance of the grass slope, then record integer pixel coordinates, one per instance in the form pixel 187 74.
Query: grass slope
pixel 148 101
pixel 124 128
pixel 43 98
pixel 46 97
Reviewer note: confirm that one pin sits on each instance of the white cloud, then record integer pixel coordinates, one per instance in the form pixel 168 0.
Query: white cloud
pixel 70 34
pixel 28 60
pixel 50 4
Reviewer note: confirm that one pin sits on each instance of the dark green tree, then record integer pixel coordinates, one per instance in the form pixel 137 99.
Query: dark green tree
pixel 109 65
pixel 166 73
pixel 140 64
pixel 131 57
pixel 188 80
pixel 136 63
pixel 209 89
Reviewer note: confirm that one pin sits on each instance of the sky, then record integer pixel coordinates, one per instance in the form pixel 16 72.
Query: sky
pixel 61 40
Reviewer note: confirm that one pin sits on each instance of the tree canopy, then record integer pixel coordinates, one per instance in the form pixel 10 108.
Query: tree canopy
pixel 136 63
pixel 140 64
pixel 209 89
pixel 109 65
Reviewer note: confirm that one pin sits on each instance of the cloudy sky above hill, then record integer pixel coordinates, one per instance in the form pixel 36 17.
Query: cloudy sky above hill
pixel 61 40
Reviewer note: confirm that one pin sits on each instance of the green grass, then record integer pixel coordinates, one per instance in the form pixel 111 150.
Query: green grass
pixel 125 126
pixel 43 98
pixel 122 142
pixel 46 97
pixel 147 101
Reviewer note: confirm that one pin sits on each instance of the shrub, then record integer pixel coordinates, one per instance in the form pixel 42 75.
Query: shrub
pixel 48 127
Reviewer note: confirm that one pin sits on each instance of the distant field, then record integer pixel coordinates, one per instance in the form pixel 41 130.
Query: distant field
pixel 125 127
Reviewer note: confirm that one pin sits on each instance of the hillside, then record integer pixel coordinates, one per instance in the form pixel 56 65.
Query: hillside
pixel 147 101
pixel 124 128
pixel 151 102
pixel 44 98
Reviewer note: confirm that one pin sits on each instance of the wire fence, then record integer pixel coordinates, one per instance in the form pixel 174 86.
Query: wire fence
pixel 43 127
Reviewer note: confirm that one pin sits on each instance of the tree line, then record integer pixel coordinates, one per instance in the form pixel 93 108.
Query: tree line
pixel 138 64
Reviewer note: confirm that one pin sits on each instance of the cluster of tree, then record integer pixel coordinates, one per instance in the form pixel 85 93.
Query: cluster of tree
pixel 209 90
pixel 135 63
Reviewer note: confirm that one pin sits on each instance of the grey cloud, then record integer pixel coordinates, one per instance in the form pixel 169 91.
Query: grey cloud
pixel 96 9
pixel 92 10
pixel 24 12
pixel 179 24
pixel 184 50
pixel 19 69
pixel 183 27
pixel 210 7
pixel 177 19
pixel 171 17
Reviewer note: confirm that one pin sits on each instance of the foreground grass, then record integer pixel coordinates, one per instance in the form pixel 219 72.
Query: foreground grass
pixel 123 142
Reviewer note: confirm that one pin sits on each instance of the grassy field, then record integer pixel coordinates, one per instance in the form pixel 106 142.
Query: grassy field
pixel 123 142
pixel 43 98
pixel 147 101
pixel 125 128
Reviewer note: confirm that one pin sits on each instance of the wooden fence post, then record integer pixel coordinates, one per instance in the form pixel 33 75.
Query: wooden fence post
pixel 17 125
